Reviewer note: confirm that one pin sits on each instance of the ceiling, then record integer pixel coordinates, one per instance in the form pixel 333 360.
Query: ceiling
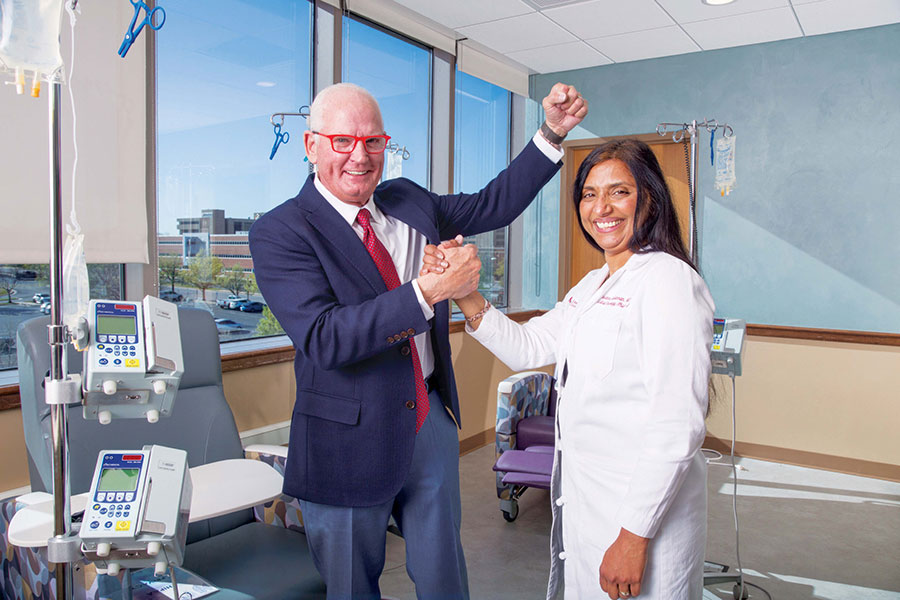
pixel 558 35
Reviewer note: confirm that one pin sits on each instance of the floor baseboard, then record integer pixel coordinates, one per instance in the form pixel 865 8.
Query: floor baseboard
pixel 802 458
pixel 474 442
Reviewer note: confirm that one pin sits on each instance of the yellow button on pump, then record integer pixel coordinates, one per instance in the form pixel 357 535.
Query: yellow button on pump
pixel 132 362
pixel 123 525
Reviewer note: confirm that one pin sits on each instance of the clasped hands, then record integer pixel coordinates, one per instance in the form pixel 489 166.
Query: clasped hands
pixel 449 271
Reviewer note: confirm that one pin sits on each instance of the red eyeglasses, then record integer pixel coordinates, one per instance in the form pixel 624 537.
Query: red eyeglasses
pixel 343 143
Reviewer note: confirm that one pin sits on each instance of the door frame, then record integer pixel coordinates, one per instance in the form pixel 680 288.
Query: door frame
pixel 567 211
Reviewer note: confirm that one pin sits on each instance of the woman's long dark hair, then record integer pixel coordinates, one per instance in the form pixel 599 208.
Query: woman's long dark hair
pixel 655 222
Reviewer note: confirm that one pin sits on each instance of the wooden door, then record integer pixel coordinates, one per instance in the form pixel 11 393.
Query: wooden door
pixel 576 256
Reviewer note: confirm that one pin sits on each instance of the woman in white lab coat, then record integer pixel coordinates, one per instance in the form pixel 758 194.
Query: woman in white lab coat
pixel 631 346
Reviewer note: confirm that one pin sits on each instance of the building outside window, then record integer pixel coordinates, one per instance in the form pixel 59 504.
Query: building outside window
pixel 223 67
pixel 482 139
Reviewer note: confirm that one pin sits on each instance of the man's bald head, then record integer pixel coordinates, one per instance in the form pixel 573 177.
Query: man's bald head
pixel 336 96
pixel 345 109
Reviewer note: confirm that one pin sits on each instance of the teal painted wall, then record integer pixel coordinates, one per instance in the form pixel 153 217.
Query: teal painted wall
pixel 809 236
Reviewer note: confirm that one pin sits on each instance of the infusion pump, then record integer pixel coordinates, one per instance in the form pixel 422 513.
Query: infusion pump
pixel 727 346
pixel 138 509
pixel 133 361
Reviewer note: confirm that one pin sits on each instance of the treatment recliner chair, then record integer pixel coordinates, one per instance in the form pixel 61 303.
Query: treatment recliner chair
pixel 524 445
pixel 261 552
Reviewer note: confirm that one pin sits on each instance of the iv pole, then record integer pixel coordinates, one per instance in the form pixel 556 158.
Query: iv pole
pixel 691 130
pixel 57 338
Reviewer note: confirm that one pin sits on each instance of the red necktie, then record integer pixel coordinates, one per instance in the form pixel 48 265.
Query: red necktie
pixel 388 271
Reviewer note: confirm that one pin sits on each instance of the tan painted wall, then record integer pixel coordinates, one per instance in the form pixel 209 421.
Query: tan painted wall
pixel 829 398
pixel 260 396
pixel 477 376
pixel 13 464
pixel 826 397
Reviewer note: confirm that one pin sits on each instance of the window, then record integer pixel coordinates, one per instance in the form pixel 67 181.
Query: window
pixel 25 294
pixel 481 141
pixel 398 73
pixel 540 234
pixel 223 67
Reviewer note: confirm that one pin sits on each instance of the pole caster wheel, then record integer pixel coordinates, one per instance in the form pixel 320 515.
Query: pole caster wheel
pixel 736 592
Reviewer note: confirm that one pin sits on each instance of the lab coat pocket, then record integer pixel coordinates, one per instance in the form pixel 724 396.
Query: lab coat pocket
pixel 593 347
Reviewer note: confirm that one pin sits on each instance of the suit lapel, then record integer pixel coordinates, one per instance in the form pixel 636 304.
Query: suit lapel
pixel 339 234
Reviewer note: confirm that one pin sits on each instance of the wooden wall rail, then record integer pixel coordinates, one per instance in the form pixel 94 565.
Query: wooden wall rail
pixel 9 395
pixel 825 335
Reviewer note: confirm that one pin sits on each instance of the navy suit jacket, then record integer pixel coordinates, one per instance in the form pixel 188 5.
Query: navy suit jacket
pixel 352 435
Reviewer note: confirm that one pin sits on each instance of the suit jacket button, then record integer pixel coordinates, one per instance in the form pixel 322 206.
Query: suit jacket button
pixel 405 350
pixel 411 331
pixel 410 404
pixel 404 335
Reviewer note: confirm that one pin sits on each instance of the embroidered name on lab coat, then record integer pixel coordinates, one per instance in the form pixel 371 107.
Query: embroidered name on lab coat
pixel 616 301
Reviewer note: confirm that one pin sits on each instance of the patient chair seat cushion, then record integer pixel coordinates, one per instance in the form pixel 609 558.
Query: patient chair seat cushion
pixel 518 461
pixel 534 431
pixel 264 561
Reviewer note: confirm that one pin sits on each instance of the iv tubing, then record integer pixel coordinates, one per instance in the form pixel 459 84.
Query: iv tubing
pixel 74 228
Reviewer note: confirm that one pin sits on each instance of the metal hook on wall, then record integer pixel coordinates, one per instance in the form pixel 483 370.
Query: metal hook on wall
pixel 283 137
pixel 395 148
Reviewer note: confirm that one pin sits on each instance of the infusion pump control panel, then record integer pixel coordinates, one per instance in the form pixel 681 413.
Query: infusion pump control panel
pixel 118 336
pixel 114 506
pixel 728 346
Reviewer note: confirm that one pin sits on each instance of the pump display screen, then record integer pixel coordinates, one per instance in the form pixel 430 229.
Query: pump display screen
pixel 118 480
pixel 718 327
pixel 109 325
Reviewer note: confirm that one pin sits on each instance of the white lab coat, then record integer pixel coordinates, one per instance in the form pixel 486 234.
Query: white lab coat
pixel 630 419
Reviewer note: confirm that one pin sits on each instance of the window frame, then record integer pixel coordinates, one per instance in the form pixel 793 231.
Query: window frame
pixel 339 63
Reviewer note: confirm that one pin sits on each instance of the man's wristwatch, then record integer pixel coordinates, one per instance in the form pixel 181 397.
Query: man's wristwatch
pixel 550 135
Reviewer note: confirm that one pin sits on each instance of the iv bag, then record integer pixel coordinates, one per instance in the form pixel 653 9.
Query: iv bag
pixel 29 37
pixel 725 177
pixel 76 285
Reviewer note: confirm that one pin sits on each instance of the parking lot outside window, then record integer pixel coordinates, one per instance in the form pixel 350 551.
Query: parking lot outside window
pixel 25 294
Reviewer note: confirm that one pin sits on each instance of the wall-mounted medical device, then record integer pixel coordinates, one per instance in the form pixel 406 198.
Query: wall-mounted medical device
pixel 138 509
pixel 727 346
pixel 133 362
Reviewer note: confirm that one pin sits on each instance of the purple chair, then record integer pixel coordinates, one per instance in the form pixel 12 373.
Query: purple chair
pixel 526 408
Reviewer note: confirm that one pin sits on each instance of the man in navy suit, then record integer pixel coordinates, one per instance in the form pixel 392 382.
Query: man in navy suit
pixel 374 427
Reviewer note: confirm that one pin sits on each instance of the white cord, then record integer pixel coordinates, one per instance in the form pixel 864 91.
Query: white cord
pixel 74 228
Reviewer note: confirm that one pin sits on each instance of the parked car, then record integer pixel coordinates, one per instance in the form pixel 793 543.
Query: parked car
pixel 229 326
pixel 26 274
pixel 171 296
pixel 224 303
pixel 237 303
pixel 45 307
pixel 252 306
pixel 41 297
